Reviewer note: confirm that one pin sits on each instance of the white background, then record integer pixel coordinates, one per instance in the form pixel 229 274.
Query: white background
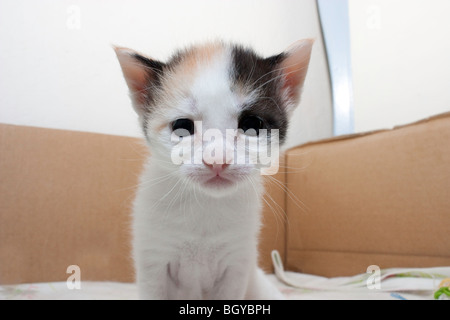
pixel 400 60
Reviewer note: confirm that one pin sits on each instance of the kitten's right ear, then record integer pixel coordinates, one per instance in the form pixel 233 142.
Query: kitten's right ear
pixel 142 74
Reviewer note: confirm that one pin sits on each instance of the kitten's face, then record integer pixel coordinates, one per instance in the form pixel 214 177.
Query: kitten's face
pixel 208 112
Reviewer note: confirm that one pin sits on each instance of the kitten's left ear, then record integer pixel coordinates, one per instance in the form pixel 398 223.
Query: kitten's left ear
pixel 294 67
pixel 141 74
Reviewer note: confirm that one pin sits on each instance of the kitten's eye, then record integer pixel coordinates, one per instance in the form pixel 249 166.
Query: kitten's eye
pixel 183 127
pixel 251 123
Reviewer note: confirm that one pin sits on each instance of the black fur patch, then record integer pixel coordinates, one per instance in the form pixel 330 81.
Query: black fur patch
pixel 155 71
pixel 251 71
pixel 177 58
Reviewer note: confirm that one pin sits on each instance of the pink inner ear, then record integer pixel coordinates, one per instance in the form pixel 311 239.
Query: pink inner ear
pixel 295 66
pixel 134 72
pixel 137 81
pixel 291 81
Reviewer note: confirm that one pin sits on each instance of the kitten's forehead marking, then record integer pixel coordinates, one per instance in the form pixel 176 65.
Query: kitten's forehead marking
pixel 194 58
pixel 211 88
pixel 197 83
pixel 211 84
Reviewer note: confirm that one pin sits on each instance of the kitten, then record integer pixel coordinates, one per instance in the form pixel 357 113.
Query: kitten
pixel 197 220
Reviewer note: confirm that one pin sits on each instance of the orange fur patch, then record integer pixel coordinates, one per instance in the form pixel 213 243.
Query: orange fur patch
pixel 192 59
pixel 199 55
pixel 178 80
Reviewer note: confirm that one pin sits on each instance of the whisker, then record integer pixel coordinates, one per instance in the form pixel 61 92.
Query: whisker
pixel 300 204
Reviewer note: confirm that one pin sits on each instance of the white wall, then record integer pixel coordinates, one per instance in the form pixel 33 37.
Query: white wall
pixel 58 69
pixel 400 60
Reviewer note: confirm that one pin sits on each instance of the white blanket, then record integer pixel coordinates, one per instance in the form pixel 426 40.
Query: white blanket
pixel 395 284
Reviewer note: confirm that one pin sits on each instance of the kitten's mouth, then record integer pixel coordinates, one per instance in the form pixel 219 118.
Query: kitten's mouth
pixel 218 182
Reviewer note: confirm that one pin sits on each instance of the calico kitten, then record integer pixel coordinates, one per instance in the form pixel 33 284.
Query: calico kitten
pixel 197 220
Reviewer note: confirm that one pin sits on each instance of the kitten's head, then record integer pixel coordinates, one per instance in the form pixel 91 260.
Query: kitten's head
pixel 208 112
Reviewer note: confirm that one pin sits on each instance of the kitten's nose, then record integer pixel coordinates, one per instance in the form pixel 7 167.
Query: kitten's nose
pixel 217 168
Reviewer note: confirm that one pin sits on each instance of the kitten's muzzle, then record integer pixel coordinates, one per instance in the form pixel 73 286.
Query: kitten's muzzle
pixel 216 168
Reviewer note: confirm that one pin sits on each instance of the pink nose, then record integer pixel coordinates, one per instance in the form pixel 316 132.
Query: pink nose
pixel 217 168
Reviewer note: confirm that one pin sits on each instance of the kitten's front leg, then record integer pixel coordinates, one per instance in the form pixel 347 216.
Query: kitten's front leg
pixel 231 285
pixel 152 282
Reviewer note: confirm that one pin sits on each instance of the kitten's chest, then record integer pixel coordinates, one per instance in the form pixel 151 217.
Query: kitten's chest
pixel 199 255
pixel 198 266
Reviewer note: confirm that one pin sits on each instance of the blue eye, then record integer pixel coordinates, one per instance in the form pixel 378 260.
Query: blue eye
pixel 252 123
pixel 183 127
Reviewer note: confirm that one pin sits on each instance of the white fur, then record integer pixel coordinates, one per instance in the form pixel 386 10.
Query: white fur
pixel 192 245
pixel 190 241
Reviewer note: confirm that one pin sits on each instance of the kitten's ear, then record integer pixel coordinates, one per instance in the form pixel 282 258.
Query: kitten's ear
pixel 141 74
pixel 294 67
